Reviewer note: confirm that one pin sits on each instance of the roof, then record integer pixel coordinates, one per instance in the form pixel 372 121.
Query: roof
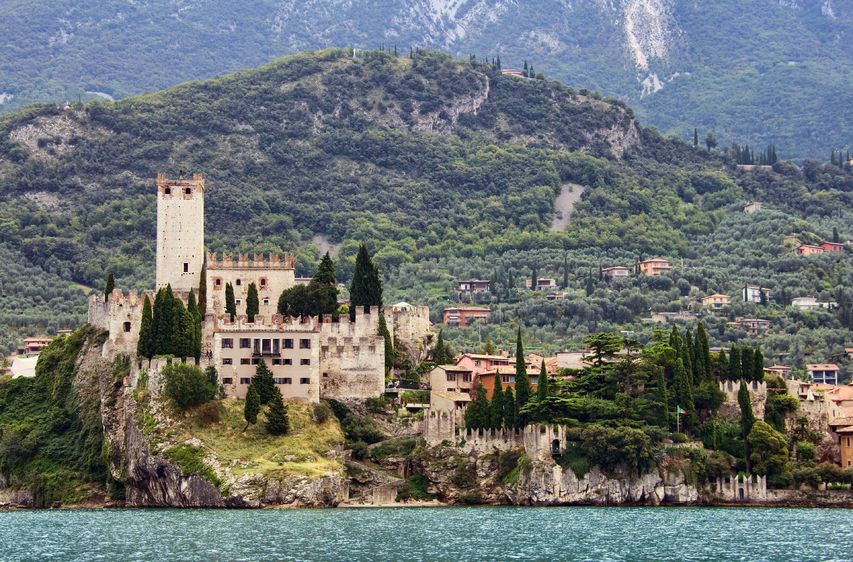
pixel 716 295
pixel 822 367
pixel 454 396
pixel 778 368
pixel 612 267
pixel 473 281
pixel 655 260
pixel 453 368
pixel 841 421
pixel 500 369
pixel 844 430
pixel 483 356
pixel 468 308
pixel 840 393
pixel 808 246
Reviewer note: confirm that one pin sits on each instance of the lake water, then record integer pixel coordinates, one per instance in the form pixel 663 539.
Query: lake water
pixel 502 533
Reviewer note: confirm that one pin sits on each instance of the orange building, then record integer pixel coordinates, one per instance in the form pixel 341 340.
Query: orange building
pixel 654 267
pixel 507 379
pixel 479 363
pixel 832 247
pixel 463 316
pixel 808 250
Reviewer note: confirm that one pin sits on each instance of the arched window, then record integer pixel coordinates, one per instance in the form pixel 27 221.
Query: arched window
pixel 188 191
pixel 168 191
pixel 127 326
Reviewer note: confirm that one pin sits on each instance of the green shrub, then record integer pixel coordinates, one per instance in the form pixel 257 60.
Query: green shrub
pixel 806 451
pixel 190 459
pixel 830 472
pixel 321 412
pixel 376 404
pixel 402 447
pixel 463 476
pixel 186 385
pixel 359 450
pixel 679 437
pixel 806 475
pixel 415 488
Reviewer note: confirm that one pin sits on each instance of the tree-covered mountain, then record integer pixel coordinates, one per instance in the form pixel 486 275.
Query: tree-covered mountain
pixel 447 169
pixel 753 72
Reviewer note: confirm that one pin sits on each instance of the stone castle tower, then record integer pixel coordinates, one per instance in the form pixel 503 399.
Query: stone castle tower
pixel 180 232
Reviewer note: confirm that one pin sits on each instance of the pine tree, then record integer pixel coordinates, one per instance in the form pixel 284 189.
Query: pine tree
pixel 509 411
pixel 325 271
pixel 230 303
pixel 477 415
pixel 365 288
pixel 277 419
pixel 145 345
pixel 252 407
pixel 522 383
pixel 389 344
pixel 253 305
pixel 497 404
pixel 263 383
pixel 542 383
pixel 111 284
pixel 735 370
pixel 747 418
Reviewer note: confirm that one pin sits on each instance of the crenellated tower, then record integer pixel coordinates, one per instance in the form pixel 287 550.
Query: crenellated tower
pixel 180 232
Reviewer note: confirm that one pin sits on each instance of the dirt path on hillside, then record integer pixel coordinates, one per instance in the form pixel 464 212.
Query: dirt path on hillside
pixel 564 205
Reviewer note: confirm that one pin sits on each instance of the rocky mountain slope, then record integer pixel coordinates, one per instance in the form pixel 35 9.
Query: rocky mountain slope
pixel 754 72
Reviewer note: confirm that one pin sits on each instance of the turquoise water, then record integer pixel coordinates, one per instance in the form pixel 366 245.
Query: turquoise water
pixel 504 533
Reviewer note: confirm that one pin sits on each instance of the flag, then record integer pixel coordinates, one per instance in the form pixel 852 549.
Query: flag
pixel 679 410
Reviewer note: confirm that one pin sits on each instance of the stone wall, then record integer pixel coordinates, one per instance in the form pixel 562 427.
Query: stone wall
pixel 410 328
pixel 271 275
pixel 352 357
pixel 757 395
pixel 121 316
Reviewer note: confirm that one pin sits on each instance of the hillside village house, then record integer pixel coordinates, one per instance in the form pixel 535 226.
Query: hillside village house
pixel 753 207
pixel 616 272
pixel 474 286
pixel 823 373
pixel 33 345
pixel 849 352
pixel 752 326
pixel 450 387
pixel 779 370
pixel 808 250
pixel 480 363
pixel 716 301
pixel 543 284
pixel 752 293
pixel 811 303
pixel 654 267
pixel 832 247
pixel 462 316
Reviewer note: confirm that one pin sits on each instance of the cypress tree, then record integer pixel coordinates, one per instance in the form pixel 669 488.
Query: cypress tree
pixel 277 419
pixel 695 137
pixel 747 418
pixel 509 410
pixel 747 363
pixel 661 400
pixel 542 383
pixel 703 350
pixel 192 308
pixel 477 415
pixel 687 355
pixel 202 290
pixel 497 404
pixel 181 331
pixel 534 279
pixel 365 288
pixel 252 406
pixel 565 272
pixel 758 366
pixel 684 394
pixel 724 365
pixel 163 321
pixel 735 369
pixel 230 304
pixel 263 383
pixel 389 344
pixel 522 383
pixel 145 345
pixel 253 305
pixel 835 237
pixel 111 284
pixel 439 354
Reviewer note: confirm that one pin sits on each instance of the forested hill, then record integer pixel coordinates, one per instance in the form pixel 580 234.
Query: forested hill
pixel 446 168
pixel 754 71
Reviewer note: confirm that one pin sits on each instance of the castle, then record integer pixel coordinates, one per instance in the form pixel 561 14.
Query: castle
pixel 310 358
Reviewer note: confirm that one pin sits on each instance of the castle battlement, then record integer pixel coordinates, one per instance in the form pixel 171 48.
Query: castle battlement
pixel 276 323
pixel 197 182
pixel 243 261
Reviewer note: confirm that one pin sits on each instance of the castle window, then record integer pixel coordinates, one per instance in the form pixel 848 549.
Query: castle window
pixel 245 380
pixel 304 380
pixel 304 344
pixel 186 267
pixel 263 282
pixel 217 282
pixel 279 380
pixel 168 191
pixel 304 361
pixel 227 361
pixel 288 380
pixel 245 343
pixel 245 361
pixel 127 326
pixel 288 362
pixel 227 380
pixel 238 302
pixel 288 343
pixel 266 301
pixel 237 282
pixel 188 191
pixel 227 343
